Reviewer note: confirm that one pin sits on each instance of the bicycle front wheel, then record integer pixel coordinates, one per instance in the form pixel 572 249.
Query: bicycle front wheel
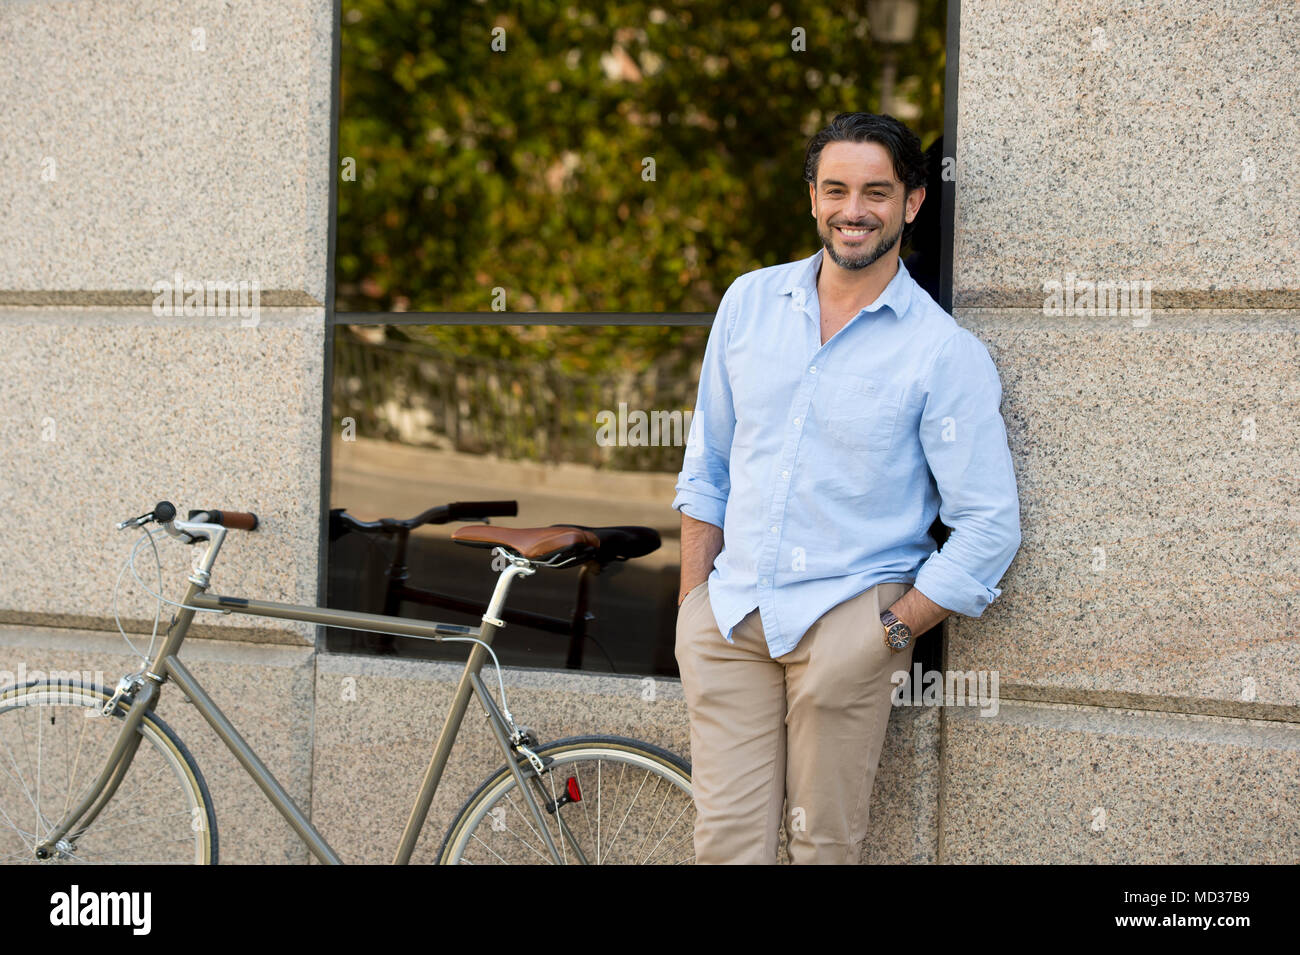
pixel 54 743
pixel 605 800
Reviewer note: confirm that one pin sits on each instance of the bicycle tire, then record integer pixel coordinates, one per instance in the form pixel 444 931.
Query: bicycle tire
pixel 615 750
pixel 160 750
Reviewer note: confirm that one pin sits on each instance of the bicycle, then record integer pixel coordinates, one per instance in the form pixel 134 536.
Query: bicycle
pixel 399 590
pixel 537 807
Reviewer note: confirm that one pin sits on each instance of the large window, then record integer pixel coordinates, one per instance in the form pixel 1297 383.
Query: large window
pixel 540 207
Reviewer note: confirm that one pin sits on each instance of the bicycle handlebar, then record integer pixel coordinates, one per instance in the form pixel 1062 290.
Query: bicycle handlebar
pixel 341 520
pixel 164 513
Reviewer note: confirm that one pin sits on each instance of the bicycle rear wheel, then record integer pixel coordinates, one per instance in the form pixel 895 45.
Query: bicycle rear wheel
pixel 622 802
pixel 53 745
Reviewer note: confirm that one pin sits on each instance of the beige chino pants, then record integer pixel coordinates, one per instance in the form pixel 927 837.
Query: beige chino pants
pixel 803 730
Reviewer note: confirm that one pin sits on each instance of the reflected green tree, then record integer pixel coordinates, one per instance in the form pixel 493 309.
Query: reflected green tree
pixel 636 157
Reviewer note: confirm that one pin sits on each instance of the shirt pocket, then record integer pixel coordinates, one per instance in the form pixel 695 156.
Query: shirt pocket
pixel 860 414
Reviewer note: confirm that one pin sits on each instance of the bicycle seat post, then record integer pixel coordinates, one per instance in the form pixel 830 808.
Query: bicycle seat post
pixel 518 567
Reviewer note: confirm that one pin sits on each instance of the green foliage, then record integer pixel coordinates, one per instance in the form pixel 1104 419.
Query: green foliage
pixel 523 169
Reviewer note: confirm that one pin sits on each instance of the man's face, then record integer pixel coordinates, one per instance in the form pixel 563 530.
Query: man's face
pixel 857 190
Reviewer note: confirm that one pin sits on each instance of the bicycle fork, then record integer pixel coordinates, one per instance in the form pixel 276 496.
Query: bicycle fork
pixel 114 771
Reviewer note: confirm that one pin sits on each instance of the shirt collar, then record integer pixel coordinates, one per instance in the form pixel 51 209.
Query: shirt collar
pixel 897 294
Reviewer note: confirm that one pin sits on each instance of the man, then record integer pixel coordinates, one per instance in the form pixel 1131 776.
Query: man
pixel 839 410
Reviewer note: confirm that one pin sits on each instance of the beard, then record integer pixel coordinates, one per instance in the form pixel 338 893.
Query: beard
pixel 858 259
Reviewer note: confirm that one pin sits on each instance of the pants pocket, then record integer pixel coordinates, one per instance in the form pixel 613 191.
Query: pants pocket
pixel 686 618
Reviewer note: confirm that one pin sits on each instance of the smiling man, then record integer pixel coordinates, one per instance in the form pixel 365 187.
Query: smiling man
pixel 840 409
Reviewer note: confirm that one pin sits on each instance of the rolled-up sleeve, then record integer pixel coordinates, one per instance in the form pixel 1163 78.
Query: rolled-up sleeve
pixel 705 482
pixel 964 440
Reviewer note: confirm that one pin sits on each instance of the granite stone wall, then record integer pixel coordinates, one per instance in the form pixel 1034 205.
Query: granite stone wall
pixel 1146 641
pixel 1148 634
pixel 140 139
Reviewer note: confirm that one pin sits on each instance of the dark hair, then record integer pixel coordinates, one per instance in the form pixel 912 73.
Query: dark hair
pixel 903 146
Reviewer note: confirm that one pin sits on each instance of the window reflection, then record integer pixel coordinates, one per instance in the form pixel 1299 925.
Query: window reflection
pixel 415 427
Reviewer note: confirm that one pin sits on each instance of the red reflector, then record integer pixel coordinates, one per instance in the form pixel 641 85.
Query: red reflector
pixel 572 787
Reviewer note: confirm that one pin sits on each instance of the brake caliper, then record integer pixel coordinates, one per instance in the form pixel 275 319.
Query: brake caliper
pixel 126 687
pixel 524 739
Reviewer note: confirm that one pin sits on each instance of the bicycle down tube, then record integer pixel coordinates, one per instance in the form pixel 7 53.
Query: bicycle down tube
pixel 166 664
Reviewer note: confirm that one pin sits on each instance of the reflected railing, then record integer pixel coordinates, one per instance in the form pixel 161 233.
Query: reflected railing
pixel 413 394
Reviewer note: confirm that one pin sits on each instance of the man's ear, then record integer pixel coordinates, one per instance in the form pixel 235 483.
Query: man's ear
pixel 914 200
pixel 812 198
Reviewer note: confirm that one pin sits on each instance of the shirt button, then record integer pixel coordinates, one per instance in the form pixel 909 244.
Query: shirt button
pixel 762 581
pixel 796 422
pixel 812 370
pixel 785 474
pixel 773 528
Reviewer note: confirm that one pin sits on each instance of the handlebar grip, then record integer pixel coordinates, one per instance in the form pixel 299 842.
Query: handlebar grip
pixel 477 510
pixel 236 520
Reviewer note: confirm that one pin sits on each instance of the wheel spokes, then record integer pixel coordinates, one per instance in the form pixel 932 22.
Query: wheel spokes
pixel 154 810
pixel 635 813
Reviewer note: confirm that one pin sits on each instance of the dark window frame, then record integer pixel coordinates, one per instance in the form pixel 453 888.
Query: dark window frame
pixel 929 649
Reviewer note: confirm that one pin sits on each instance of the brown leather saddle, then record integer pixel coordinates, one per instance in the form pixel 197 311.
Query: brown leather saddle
pixel 563 545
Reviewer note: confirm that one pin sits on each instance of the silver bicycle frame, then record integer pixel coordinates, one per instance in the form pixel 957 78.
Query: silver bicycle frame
pixel 166 664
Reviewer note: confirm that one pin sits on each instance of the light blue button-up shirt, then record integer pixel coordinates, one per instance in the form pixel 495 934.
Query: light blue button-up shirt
pixel 825 465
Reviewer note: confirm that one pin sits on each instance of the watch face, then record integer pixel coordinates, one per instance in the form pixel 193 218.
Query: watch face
pixel 899 637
